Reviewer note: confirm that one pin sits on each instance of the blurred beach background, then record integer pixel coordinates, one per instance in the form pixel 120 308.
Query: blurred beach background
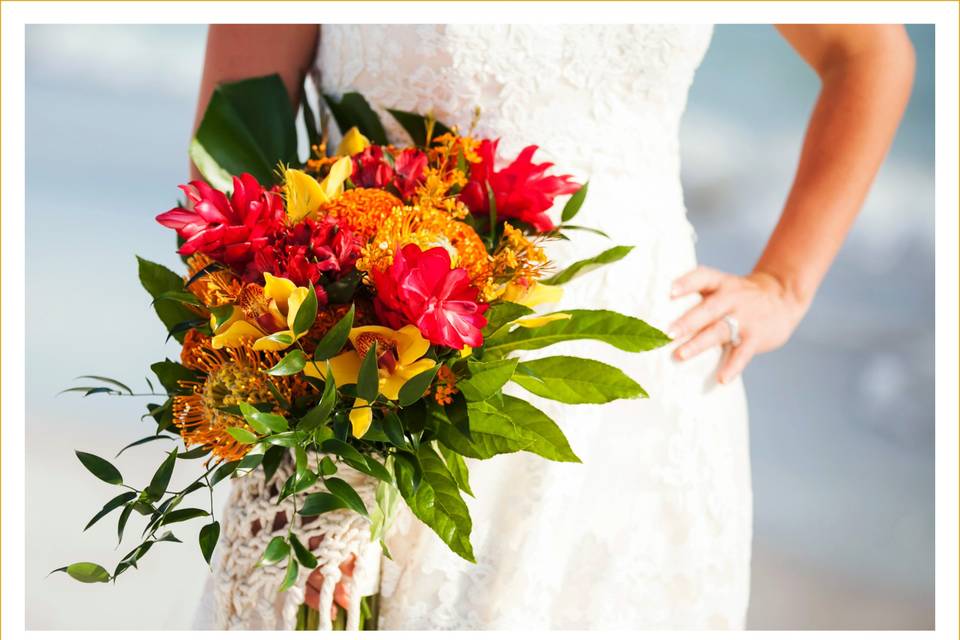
pixel 842 418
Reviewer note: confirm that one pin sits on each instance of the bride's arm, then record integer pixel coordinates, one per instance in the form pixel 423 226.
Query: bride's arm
pixel 242 51
pixel 866 73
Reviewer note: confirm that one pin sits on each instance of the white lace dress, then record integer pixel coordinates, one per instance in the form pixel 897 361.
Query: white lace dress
pixel 653 530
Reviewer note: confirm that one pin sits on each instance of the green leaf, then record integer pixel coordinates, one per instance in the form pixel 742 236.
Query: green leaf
pixel 574 203
pixel 486 378
pixel 307 313
pixel 277 549
pixel 290 364
pixel 327 466
pixel 318 416
pixel 352 110
pixel 122 522
pixel 368 380
pixel 376 469
pixel 281 337
pixel 347 494
pixel 161 479
pixel 333 341
pixel 609 256
pixel 115 503
pixel 317 503
pixel 406 466
pixel 182 515
pixel 492 205
pixel 310 124
pixel 393 429
pixel 576 380
pixel 262 422
pixel 193 454
pixel 438 504
pixel 242 436
pixel 500 314
pixel 516 426
pixel 290 577
pixel 574 227
pixel 209 535
pixel 304 555
pixel 286 439
pixel 250 461
pixel 414 388
pixel 143 441
pixel 184 297
pixel 342 449
pixel 458 415
pixel 170 374
pixel 224 471
pixel 88 572
pixel 623 332
pixel 271 461
pixel 116 383
pixel 100 467
pixel 415 125
pixel 248 127
pixel 159 280
pixel 384 510
pixel 457 467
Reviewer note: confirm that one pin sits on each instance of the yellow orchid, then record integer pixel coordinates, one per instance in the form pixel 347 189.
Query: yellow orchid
pixel 305 195
pixel 263 314
pixel 539 321
pixel 533 295
pixel 400 357
pixel 353 142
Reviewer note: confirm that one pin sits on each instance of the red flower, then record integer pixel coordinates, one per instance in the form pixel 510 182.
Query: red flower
pixel 409 165
pixel 371 169
pixel 420 288
pixel 522 190
pixel 230 229
pixel 374 168
pixel 307 251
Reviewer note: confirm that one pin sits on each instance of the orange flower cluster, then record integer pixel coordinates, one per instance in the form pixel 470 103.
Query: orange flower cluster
pixel 446 385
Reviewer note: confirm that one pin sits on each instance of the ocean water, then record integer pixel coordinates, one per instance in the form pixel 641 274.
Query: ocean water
pixel 841 418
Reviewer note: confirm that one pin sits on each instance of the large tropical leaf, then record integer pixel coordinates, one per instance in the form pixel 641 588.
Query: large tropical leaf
pixel 575 380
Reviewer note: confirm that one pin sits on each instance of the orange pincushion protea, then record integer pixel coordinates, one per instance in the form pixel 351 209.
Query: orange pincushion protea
pixel 364 210
pixel 233 375
pixel 214 289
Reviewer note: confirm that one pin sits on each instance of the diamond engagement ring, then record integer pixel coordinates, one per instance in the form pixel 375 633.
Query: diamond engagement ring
pixel 734 327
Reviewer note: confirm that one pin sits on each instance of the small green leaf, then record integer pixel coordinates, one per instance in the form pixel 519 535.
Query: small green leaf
pixel 171 374
pixel 333 341
pixel 182 515
pixel 224 471
pixel 342 449
pixel 143 441
pixel 286 439
pixel 290 577
pixel 115 503
pixel 307 312
pixel 574 203
pixel 304 555
pixel 116 383
pixel 393 429
pixel 317 416
pixel 458 469
pixel 88 572
pixel 574 227
pixel 376 469
pixel 346 494
pixel 290 364
pixel 100 467
pixel 262 422
pixel 368 380
pixel 486 378
pixel 575 380
pixel 271 461
pixel 414 388
pixel 242 436
pixel 492 204
pixel 281 337
pixel 276 550
pixel 250 461
pixel 122 522
pixel 584 266
pixel 327 466
pixel 500 314
pixel 317 503
pixel 209 535
pixel 193 454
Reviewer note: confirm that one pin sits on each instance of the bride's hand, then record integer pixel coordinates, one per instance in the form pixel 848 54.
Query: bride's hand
pixel 315 584
pixel 765 311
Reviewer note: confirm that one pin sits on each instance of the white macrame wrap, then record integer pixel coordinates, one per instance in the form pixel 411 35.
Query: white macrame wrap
pixel 247 597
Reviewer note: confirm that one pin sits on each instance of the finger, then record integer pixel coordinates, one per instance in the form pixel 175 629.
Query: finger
pixel 715 334
pixel 708 311
pixel 348 565
pixel 703 279
pixel 340 596
pixel 735 362
pixel 315 579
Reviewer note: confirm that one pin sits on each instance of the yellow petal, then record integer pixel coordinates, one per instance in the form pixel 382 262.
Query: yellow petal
pixel 390 384
pixel 267 343
pixel 533 295
pixel 235 334
pixel 466 351
pixel 353 142
pixel 278 290
pixel 411 344
pixel 303 193
pixel 297 296
pixel 539 321
pixel 360 418
pixel 345 368
pixel 332 186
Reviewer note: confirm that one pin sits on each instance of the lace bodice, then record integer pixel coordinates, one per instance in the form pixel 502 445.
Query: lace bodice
pixel 653 529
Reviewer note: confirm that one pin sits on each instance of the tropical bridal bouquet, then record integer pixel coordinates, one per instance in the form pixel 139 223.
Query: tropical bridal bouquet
pixel 348 325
